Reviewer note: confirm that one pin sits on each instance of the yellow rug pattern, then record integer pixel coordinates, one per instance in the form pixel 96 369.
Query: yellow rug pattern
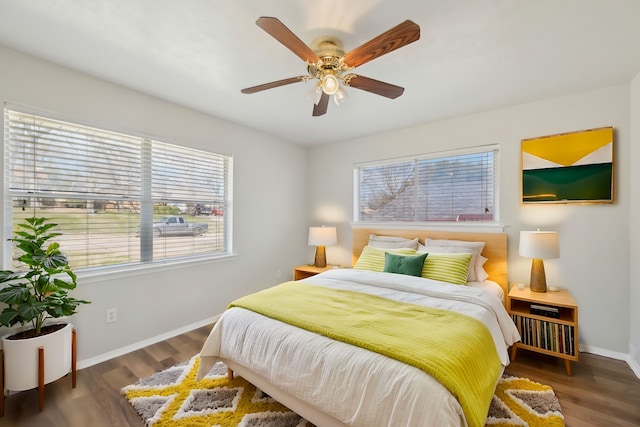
pixel 520 402
pixel 173 398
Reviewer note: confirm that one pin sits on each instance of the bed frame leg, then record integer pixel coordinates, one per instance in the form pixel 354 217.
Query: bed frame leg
pixel 230 374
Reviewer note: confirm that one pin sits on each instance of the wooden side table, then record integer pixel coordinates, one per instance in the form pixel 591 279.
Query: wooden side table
pixel 303 271
pixel 534 315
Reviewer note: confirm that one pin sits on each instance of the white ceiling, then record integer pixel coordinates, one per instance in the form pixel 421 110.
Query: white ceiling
pixel 473 55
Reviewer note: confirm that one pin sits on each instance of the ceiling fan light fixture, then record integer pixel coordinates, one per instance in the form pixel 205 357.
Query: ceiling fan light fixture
pixel 315 93
pixel 340 96
pixel 327 62
pixel 330 84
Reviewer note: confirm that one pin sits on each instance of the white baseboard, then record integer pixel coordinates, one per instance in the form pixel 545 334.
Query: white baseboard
pixel 634 360
pixel 85 363
pixel 635 367
pixel 626 357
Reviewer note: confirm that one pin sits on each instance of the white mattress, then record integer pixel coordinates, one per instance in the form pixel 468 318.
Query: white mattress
pixel 353 385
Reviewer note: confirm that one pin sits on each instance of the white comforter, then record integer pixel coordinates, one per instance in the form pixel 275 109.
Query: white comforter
pixel 354 385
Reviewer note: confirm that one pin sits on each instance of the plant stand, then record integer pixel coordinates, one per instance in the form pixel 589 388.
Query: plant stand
pixel 2 383
pixel 41 372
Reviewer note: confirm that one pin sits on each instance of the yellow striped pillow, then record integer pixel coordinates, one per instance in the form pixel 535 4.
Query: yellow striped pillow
pixel 452 268
pixel 373 258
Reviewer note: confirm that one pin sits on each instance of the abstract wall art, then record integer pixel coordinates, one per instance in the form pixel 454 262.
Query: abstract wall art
pixel 575 167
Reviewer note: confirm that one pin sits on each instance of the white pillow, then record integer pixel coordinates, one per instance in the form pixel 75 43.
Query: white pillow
pixel 476 271
pixel 481 275
pixel 391 242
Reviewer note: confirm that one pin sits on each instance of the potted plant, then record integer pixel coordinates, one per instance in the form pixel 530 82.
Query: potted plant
pixel 32 295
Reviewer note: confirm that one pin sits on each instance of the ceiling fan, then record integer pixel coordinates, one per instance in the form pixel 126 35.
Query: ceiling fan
pixel 329 64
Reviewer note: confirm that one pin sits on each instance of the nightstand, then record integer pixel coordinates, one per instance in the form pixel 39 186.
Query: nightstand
pixel 303 271
pixel 547 322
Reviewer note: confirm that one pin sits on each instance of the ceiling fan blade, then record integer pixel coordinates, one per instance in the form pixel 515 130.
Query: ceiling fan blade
pixel 321 107
pixel 374 86
pixel 271 85
pixel 284 35
pixel 395 38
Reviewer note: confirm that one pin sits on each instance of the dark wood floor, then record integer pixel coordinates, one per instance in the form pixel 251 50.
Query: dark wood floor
pixel 601 391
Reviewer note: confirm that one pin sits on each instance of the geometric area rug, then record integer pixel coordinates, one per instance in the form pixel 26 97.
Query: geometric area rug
pixel 522 402
pixel 173 398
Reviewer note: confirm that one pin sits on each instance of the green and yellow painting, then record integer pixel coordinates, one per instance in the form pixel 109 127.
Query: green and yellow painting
pixel 569 167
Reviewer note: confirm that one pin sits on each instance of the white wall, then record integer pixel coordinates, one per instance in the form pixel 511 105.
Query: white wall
pixel 594 239
pixel 269 190
pixel 634 228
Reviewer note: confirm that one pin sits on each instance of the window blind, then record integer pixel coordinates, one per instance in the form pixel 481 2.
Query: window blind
pixel 196 182
pixel 50 157
pixel 455 187
pixel 98 185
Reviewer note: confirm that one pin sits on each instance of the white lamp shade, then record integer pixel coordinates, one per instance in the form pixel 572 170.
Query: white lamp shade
pixel 322 236
pixel 539 244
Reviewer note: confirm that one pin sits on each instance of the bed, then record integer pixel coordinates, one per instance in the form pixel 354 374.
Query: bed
pixel 345 377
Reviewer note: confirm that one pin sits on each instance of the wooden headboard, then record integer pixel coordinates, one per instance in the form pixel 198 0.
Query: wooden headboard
pixel 495 249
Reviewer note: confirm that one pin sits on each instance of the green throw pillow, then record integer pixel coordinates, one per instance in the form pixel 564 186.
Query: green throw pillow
pixel 452 268
pixel 404 264
pixel 373 258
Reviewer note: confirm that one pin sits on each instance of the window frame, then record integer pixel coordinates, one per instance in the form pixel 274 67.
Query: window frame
pixel 357 216
pixel 128 266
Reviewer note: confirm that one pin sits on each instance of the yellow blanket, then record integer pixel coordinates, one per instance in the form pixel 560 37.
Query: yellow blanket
pixel 455 349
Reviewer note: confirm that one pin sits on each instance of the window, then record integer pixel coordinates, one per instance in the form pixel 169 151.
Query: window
pixel 110 193
pixel 457 186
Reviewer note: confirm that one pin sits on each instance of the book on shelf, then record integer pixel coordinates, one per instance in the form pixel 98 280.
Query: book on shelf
pixel 547 335
pixel 544 310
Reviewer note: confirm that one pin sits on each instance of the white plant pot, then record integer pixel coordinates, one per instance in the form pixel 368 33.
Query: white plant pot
pixel 21 359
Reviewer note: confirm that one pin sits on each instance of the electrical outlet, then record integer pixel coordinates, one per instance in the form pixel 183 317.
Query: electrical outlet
pixel 112 315
pixel 279 274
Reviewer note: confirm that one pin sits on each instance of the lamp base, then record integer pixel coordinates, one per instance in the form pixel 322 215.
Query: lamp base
pixel 321 257
pixel 538 280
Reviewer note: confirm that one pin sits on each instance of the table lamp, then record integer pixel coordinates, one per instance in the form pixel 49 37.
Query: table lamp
pixel 539 245
pixel 321 237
